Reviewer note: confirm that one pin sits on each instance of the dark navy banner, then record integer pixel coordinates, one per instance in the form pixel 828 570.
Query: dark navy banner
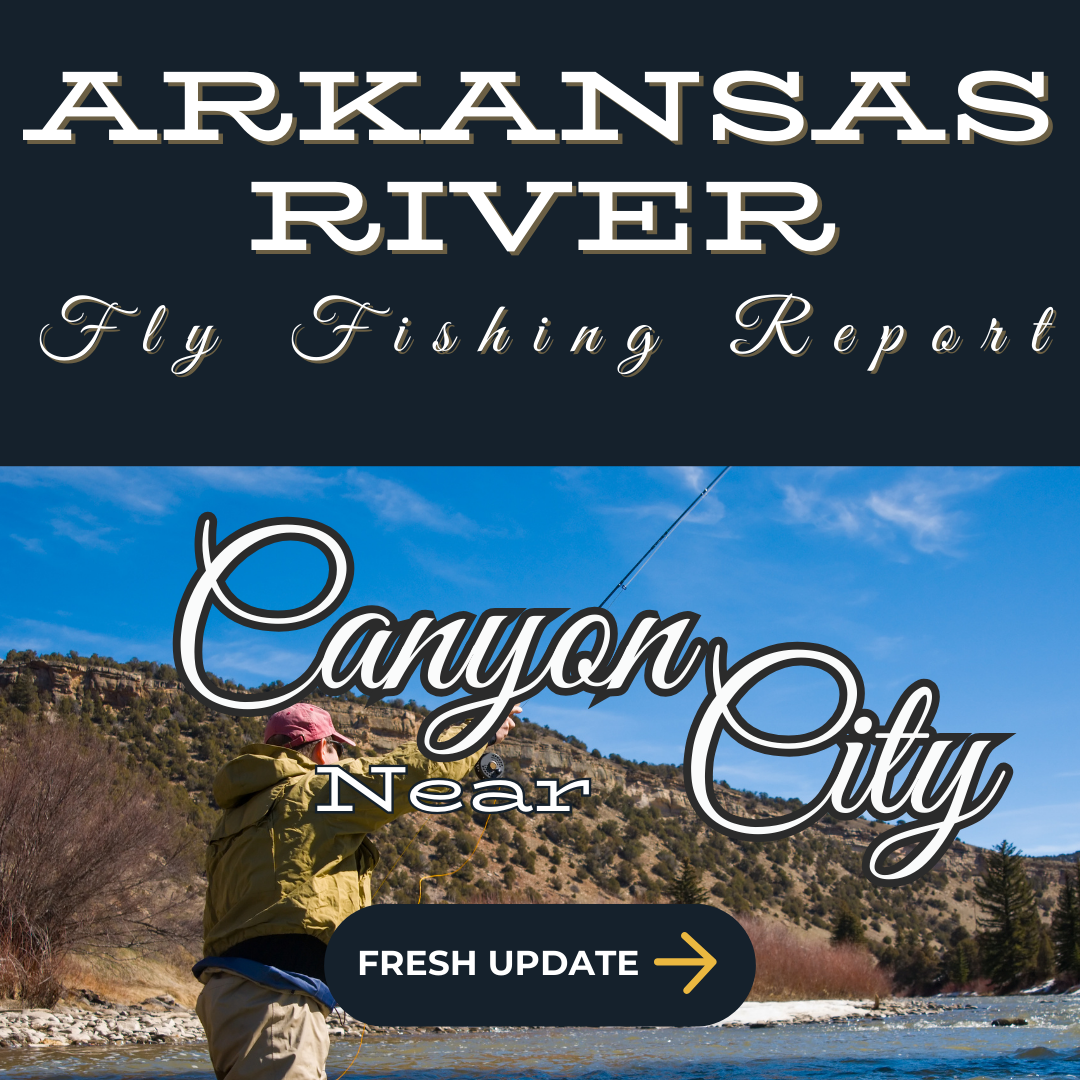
pixel 465 235
pixel 592 965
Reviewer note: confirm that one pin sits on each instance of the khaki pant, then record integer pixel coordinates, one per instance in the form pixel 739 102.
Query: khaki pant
pixel 255 1033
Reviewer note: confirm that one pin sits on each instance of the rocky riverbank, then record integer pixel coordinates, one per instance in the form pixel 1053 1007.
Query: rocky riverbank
pixel 163 1020
pixel 156 1020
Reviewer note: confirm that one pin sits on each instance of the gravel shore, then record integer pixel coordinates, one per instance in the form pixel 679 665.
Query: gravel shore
pixel 163 1020
pixel 156 1020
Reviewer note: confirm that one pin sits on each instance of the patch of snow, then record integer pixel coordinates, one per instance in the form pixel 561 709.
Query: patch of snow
pixel 780 1012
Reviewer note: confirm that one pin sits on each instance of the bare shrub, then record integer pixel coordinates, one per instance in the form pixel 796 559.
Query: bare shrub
pixel 28 963
pixel 794 967
pixel 504 896
pixel 90 855
pixel 981 987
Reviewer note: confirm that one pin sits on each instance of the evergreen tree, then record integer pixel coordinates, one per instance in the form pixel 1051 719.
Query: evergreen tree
pixel 1044 954
pixel 24 693
pixel 1009 941
pixel 847 929
pixel 687 887
pixel 1065 929
pixel 960 964
pixel 913 961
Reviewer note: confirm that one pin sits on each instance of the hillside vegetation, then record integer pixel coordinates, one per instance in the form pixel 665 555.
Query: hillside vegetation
pixel 632 841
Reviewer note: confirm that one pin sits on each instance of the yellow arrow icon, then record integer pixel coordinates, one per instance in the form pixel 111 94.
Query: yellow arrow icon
pixel 706 963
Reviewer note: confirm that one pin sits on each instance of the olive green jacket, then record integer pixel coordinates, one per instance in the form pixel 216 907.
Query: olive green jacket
pixel 276 865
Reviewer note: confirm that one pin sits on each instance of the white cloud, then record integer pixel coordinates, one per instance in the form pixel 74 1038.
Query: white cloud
pixel 58 637
pixel 268 663
pixel 692 477
pixel 153 493
pixel 90 534
pixel 397 504
pixel 883 646
pixel 1056 812
pixel 573 474
pixel 921 505
pixel 30 543
pixel 645 510
pixel 707 512
pixel 918 505
pixel 1070 844
pixel 811 507
pixel 1043 829
pixel 142 491
pixel 260 480
pixel 455 573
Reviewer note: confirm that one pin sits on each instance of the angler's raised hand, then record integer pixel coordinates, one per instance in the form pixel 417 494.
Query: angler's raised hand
pixel 507 725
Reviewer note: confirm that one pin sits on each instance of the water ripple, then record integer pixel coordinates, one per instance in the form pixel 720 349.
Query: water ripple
pixel 958 1045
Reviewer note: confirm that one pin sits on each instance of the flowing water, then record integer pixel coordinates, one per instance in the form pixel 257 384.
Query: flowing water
pixel 955 1045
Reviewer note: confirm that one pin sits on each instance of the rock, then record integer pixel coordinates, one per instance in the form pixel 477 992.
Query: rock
pixel 90 997
pixel 162 999
pixel 1009 1021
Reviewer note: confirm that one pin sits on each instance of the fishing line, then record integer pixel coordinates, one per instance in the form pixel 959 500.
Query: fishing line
pixel 419 900
pixel 643 561
pixel 355 1056
pixel 450 873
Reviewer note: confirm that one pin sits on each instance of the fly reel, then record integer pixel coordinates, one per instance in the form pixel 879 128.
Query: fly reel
pixel 490 766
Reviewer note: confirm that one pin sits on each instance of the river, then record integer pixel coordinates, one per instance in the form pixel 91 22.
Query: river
pixel 955 1045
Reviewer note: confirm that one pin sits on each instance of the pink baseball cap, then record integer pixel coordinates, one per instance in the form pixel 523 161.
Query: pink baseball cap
pixel 303 723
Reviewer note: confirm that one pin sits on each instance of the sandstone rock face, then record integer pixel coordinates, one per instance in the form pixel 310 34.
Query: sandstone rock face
pixel 382 720
pixel 559 760
pixel 56 679
pixel 375 719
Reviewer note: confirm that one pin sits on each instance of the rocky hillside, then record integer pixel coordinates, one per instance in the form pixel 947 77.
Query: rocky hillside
pixel 625 843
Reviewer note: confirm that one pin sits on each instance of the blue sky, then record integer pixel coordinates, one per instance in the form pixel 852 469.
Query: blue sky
pixel 964 576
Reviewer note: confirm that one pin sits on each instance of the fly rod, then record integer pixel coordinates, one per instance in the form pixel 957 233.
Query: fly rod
pixel 640 564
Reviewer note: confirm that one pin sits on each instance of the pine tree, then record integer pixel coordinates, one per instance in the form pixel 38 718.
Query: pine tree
pixel 1009 941
pixel 687 887
pixel 960 964
pixel 847 929
pixel 1065 929
pixel 24 693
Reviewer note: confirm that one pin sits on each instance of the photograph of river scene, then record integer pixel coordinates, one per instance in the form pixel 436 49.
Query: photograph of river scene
pixel 125 766
pixel 951 1044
